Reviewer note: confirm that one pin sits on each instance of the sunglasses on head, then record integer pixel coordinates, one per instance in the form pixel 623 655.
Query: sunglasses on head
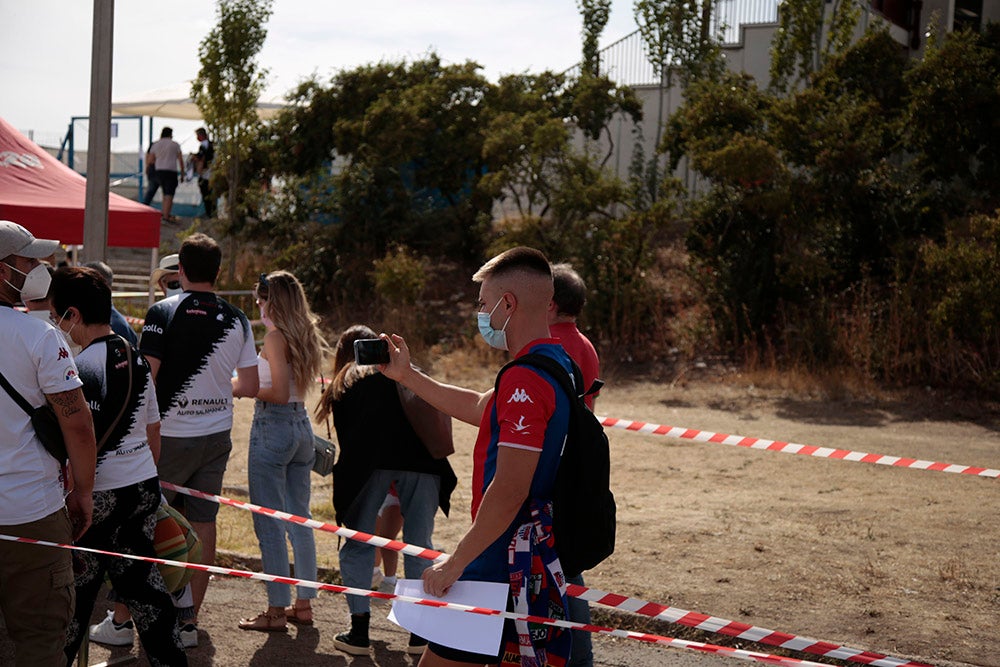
pixel 261 287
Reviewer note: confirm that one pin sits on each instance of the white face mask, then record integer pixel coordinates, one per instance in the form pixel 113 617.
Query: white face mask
pixel 73 347
pixel 70 330
pixel 36 282
pixel 496 338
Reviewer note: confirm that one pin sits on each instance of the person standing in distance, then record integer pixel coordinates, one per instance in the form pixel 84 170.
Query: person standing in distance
pixel 193 342
pixel 203 167
pixel 36 583
pixel 166 276
pixel 517 451
pixel 163 155
pixel 568 299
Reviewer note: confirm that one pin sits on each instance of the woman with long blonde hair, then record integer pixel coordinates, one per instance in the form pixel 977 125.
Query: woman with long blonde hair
pixel 281 444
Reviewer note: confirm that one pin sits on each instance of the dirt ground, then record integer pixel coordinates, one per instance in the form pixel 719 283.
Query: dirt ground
pixel 892 560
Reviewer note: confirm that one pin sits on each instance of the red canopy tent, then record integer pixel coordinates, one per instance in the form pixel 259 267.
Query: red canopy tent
pixel 47 197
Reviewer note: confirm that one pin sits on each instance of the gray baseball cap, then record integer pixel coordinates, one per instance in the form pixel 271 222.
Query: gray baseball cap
pixel 16 240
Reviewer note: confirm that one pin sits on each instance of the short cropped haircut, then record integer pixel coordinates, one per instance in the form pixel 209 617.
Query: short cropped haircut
pixel 84 289
pixel 201 258
pixel 521 258
pixel 570 291
pixel 103 269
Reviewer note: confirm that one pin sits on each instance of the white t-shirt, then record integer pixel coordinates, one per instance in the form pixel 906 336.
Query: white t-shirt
pixel 166 153
pixel 36 362
pixel 126 458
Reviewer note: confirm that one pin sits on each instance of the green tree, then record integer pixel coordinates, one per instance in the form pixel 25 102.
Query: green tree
pixel 406 140
pixel 226 90
pixel 809 193
pixel 595 15
pixel 677 36
pixel 951 121
pixel 809 32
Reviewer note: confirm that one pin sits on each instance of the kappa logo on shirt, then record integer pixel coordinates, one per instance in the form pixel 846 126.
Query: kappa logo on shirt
pixel 63 354
pixel 520 396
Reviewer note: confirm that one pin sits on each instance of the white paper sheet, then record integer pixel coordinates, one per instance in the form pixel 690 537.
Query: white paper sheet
pixel 461 630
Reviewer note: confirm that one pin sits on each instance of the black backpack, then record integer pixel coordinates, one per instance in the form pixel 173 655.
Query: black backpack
pixel 583 507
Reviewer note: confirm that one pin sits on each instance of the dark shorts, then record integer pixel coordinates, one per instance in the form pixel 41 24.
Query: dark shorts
pixel 465 656
pixel 197 462
pixel 509 631
pixel 167 181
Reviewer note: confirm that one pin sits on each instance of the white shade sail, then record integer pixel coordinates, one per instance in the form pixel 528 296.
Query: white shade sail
pixel 176 102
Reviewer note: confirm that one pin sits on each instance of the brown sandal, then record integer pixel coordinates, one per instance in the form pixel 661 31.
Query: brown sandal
pixel 265 622
pixel 299 616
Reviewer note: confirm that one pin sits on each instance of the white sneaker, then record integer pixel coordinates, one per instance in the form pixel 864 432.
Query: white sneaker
pixel 112 634
pixel 189 635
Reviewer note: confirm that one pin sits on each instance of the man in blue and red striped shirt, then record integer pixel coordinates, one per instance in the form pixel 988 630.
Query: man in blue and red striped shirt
pixel 522 429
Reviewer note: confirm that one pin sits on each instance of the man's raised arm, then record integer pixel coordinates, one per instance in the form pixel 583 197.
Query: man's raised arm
pixel 463 404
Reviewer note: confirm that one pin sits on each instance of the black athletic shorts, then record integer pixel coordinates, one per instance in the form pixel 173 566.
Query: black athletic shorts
pixel 167 181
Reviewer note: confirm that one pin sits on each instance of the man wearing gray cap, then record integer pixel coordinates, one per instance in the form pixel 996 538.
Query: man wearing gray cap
pixel 36 582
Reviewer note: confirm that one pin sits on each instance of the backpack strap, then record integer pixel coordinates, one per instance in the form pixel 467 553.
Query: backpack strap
pixel 20 400
pixel 122 343
pixel 552 368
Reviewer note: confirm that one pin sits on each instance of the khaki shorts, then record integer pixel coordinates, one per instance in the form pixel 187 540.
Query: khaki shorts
pixel 36 589
pixel 199 463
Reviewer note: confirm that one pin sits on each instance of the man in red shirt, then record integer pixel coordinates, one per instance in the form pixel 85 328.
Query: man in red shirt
pixel 521 434
pixel 568 300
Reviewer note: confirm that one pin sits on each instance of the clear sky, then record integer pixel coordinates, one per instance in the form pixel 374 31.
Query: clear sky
pixel 45 45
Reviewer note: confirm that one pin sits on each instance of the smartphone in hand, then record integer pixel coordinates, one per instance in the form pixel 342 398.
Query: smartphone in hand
pixel 369 351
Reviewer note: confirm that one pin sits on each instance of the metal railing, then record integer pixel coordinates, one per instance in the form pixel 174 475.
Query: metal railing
pixel 626 61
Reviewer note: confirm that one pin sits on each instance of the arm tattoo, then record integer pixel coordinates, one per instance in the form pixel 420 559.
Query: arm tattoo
pixel 67 402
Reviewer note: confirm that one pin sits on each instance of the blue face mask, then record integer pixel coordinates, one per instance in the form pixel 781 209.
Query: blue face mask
pixel 496 338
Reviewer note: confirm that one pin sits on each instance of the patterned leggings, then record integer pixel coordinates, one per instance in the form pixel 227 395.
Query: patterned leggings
pixel 124 522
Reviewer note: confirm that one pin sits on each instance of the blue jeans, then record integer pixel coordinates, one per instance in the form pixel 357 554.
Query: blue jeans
pixel 280 462
pixel 418 502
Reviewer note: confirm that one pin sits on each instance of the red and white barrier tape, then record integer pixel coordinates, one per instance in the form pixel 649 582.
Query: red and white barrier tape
pixel 729 628
pixel 613 600
pixel 793 448
pixel 440 604
pixel 374 540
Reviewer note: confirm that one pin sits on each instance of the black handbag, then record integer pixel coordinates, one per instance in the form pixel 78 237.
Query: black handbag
pixel 326 455
pixel 44 421
pixel 326 451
